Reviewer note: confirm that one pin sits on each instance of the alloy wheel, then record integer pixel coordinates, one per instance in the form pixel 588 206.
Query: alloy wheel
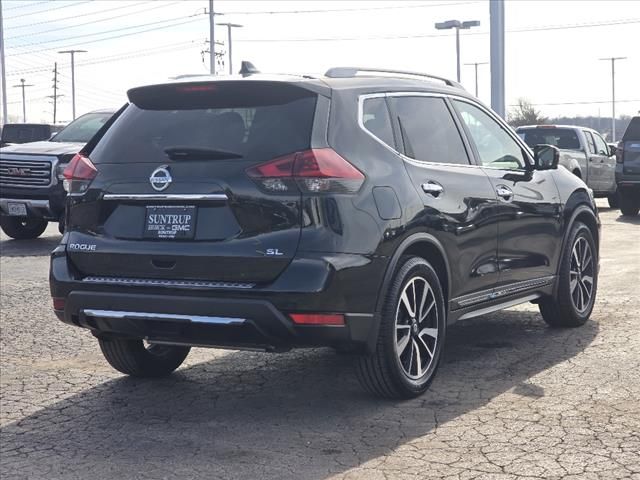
pixel 581 274
pixel 416 328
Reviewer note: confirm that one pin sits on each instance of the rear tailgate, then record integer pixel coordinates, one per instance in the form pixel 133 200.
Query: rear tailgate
pixel 199 217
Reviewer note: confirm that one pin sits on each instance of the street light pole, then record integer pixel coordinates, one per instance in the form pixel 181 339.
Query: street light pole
pixel 24 103
pixel 613 94
pixel 73 78
pixel 212 41
pixel 458 25
pixel 475 64
pixel 229 27
pixel 4 72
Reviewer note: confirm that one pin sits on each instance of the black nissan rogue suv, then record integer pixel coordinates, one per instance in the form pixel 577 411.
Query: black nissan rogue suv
pixel 363 210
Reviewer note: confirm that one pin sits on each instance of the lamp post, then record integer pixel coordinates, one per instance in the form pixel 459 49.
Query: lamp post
pixel 458 25
pixel 475 64
pixel 229 27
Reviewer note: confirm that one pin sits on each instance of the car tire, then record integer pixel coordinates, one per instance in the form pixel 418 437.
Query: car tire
pixel 23 228
pixel 133 357
pixel 411 335
pixel 574 300
pixel 629 204
pixel 614 200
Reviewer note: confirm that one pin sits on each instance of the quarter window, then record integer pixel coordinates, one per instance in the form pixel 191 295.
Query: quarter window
pixel 376 119
pixel 428 130
pixel 495 146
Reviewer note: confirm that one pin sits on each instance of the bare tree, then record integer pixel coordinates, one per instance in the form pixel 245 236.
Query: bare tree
pixel 524 113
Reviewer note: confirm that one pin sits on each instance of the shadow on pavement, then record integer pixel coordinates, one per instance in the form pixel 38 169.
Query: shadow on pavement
pixel 630 220
pixel 297 415
pixel 32 248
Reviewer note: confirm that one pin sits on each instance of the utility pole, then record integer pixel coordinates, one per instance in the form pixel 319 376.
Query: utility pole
pixel 496 35
pixel 229 27
pixel 54 97
pixel 4 71
pixel 24 104
pixel 212 42
pixel 613 94
pixel 73 78
pixel 475 64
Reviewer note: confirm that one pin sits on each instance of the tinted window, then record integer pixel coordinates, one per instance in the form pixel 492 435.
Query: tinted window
pixel 601 146
pixel 82 128
pixel 249 125
pixel 428 131
pixel 25 133
pixel 633 130
pixel 590 143
pixel 375 117
pixel 495 146
pixel 565 138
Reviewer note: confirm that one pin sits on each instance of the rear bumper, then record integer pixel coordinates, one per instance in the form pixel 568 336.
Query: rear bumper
pixel 256 318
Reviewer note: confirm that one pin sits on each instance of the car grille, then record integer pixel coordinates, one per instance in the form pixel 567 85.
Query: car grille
pixel 25 173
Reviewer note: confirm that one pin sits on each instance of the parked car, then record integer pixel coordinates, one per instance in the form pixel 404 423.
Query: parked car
pixel 628 169
pixel 16 133
pixel 583 152
pixel 32 193
pixel 362 210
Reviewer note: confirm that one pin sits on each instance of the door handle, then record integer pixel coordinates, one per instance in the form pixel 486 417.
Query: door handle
pixel 432 188
pixel 504 192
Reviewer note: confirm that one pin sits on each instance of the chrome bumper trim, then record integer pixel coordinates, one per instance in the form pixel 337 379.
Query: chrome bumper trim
pixel 32 204
pixel 153 282
pixel 118 314
pixel 160 196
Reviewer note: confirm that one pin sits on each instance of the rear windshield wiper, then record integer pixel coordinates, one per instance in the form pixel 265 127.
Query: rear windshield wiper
pixel 190 153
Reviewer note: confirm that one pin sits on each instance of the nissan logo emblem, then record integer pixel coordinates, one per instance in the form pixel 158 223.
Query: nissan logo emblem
pixel 160 178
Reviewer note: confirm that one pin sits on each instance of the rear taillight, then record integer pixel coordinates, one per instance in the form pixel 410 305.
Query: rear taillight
pixel 620 153
pixel 79 174
pixel 58 303
pixel 319 170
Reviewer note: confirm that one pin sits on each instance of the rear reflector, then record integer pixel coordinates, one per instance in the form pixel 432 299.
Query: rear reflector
pixel 317 318
pixel 58 303
pixel 318 170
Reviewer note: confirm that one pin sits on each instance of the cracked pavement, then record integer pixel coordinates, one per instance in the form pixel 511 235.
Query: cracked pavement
pixel 512 400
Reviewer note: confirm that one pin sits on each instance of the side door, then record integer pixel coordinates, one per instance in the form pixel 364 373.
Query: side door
pixel 529 209
pixel 606 164
pixel 595 165
pixel 457 196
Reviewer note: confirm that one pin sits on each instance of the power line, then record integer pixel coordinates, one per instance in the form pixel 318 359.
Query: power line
pixel 85 15
pixel 75 4
pixel 25 6
pixel 355 9
pixel 191 19
pixel 432 35
pixel 592 102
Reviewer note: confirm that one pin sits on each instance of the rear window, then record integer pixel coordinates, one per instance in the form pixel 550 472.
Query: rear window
pixel 632 134
pixel 254 121
pixel 25 133
pixel 565 138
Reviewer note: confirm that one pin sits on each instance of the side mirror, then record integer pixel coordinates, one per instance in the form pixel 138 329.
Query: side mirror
pixel 612 150
pixel 546 157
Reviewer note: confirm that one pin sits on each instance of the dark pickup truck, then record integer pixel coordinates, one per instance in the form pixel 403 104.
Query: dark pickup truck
pixel 31 188
pixel 628 169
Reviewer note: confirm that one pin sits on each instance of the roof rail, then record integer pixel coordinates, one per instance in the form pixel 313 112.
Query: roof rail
pixel 349 72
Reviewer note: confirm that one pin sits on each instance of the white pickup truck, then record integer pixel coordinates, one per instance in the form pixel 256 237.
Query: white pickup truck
pixel 582 151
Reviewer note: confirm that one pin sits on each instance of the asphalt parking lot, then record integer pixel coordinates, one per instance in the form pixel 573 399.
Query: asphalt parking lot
pixel 513 399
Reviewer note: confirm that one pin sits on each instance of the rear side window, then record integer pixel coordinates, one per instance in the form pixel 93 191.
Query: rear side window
pixel 428 130
pixel 252 121
pixel 376 119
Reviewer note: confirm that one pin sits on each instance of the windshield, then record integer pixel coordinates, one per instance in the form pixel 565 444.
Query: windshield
pixel 564 138
pixel 82 128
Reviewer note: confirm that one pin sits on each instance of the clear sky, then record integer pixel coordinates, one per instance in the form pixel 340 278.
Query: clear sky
pixel 552 47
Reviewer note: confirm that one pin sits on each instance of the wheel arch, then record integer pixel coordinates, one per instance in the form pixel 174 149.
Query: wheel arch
pixel 423 245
